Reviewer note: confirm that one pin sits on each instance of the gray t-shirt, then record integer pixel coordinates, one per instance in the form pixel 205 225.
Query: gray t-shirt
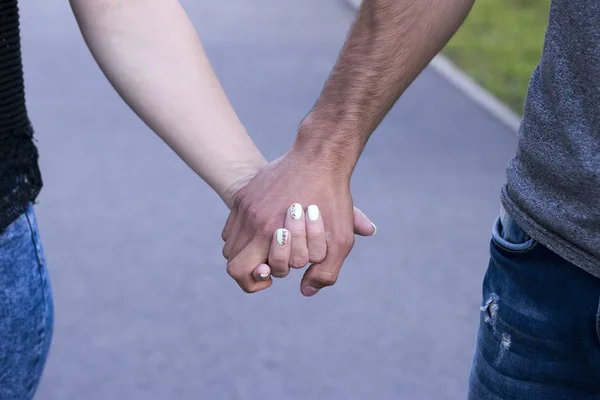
pixel 553 182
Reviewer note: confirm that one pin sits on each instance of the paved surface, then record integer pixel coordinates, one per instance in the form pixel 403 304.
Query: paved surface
pixel 145 309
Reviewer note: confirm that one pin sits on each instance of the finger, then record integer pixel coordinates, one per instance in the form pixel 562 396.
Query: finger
pixel 262 273
pixel 362 224
pixel 228 224
pixel 318 276
pixel 315 235
pixel 279 253
pixel 242 266
pixel 326 273
pixel 233 239
pixel 294 223
pixel 240 241
pixel 240 237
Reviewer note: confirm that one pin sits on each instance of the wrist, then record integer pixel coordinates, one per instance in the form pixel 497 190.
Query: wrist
pixel 334 146
pixel 238 177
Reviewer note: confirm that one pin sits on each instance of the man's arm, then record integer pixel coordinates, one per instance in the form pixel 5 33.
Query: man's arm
pixel 151 54
pixel 389 45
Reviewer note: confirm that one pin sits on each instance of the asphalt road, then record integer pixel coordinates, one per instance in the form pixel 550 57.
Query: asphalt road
pixel 144 307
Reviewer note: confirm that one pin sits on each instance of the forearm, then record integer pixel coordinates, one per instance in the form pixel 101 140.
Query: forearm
pixel 390 43
pixel 150 52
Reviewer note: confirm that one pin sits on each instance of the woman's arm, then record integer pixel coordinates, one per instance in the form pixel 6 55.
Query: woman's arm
pixel 151 54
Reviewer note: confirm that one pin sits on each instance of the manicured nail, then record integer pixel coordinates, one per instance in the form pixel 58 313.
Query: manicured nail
pixel 310 291
pixel 296 211
pixel 312 212
pixel 264 276
pixel 282 236
pixel 374 229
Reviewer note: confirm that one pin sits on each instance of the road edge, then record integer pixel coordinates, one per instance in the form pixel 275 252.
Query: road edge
pixel 444 67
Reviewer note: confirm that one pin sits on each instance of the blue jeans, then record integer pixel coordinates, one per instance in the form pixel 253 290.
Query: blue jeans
pixel 26 312
pixel 539 332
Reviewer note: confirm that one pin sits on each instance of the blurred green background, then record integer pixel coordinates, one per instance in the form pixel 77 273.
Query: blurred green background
pixel 500 44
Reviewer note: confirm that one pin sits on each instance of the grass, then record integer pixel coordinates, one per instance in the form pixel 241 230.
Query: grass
pixel 500 44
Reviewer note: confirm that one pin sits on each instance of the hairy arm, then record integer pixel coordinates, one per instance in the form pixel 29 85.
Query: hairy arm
pixel 389 45
pixel 151 54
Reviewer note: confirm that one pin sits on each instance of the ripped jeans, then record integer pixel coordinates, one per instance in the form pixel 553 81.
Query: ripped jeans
pixel 539 332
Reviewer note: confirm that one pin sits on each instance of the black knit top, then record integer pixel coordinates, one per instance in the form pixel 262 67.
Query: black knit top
pixel 20 180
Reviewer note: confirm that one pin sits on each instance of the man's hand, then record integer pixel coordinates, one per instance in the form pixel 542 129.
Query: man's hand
pixel 260 207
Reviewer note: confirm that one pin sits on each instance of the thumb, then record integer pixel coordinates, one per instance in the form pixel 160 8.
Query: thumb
pixel 362 224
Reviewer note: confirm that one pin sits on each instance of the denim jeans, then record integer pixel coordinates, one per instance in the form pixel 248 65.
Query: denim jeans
pixel 26 311
pixel 539 330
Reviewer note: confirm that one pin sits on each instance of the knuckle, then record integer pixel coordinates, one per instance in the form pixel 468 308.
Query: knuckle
pixel 252 214
pixel 258 215
pixel 225 252
pixel 247 288
pixel 299 260
pixel 318 256
pixel 249 208
pixel 257 287
pixel 315 231
pixel 234 271
pixel 345 241
pixel 247 284
pixel 262 225
pixel 224 234
pixel 298 235
pixel 265 230
pixel 326 278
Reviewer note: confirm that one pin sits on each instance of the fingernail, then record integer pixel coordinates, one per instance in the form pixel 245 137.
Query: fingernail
pixel 296 211
pixel 282 236
pixel 310 291
pixel 312 212
pixel 374 229
pixel 264 276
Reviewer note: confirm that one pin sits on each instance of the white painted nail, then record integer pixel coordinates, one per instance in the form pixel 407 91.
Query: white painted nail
pixel 312 212
pixel 282 236
pixel 296 211
pixel 374 229
pixel 264 276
